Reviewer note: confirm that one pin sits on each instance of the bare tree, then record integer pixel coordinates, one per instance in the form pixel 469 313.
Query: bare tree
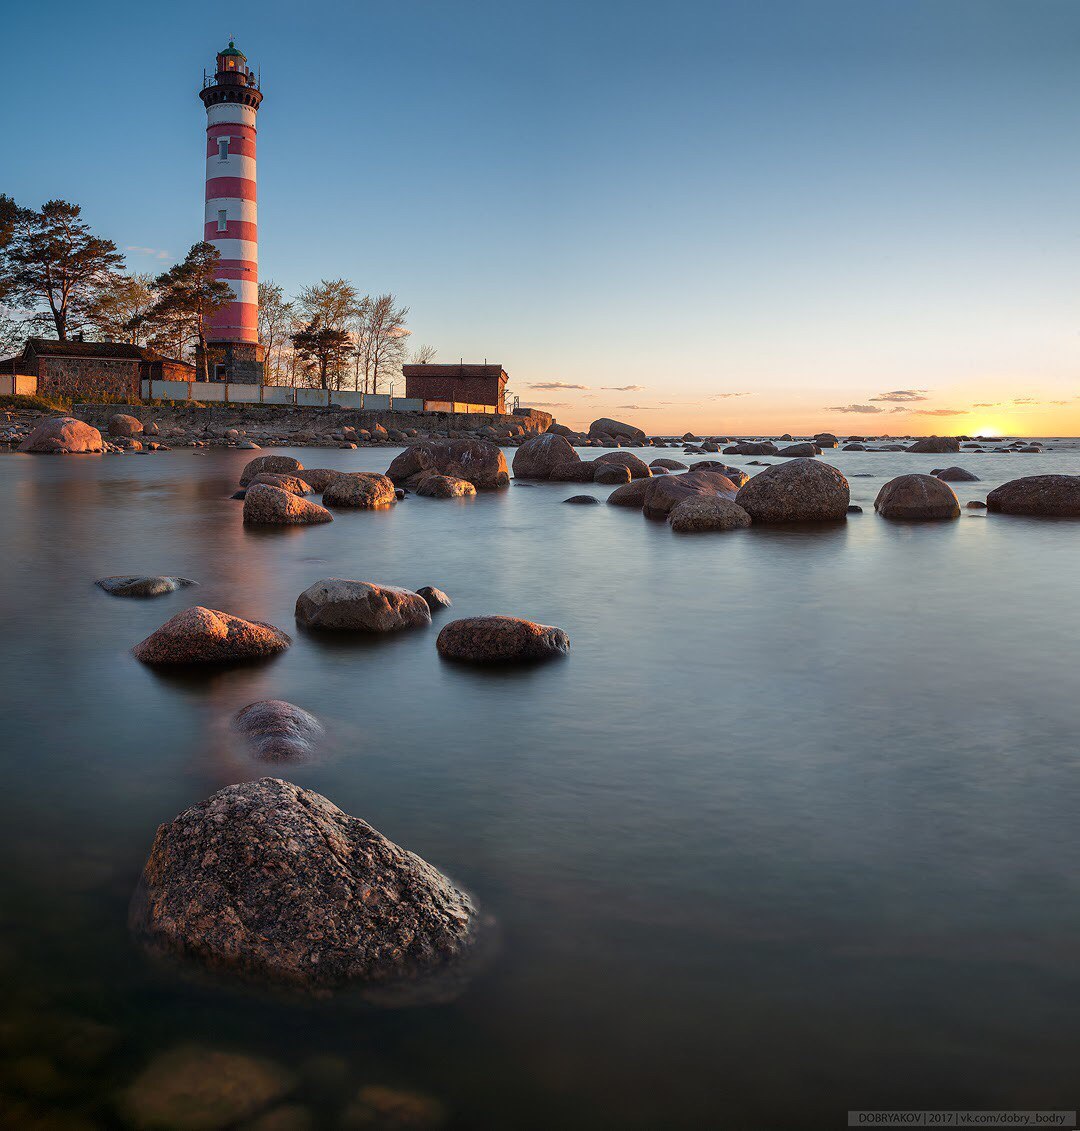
pixel 422 355
pixel 276 315
pixel 380 339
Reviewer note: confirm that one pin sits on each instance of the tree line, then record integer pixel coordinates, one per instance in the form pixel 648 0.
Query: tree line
pixel 56 274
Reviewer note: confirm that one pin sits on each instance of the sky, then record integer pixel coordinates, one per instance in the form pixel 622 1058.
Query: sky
pixel 752 217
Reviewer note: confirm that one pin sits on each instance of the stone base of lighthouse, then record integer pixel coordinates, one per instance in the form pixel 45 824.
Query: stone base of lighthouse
pixel 240 363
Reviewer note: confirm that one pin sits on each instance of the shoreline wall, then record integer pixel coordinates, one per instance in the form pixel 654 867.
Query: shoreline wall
pixel 290 418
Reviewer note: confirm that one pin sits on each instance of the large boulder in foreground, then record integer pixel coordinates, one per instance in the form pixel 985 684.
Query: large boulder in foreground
pixel 360 606
pixel 271 506
pixel 361 490
pixel 936 444
pixel 124 425
pixel 702 513
pixel 1047 496
pixel 608 427
pixel 480 462
pixel 126 585
pixel 444 487
pixel 500 640
pixel 536 457
pixel 278 731
pixel 802 490
pixel 208 636
pixel 916 498
pixel 665 492
pixel 274 465
pixel 274 883
pixel 63 435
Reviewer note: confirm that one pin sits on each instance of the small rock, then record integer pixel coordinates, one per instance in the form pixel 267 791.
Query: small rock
pixel 265 505
pixel 207 636
pixel 389 1109
pixel 955 475
pixel 498 640
pixel 435 598
pixel 123 425
pixel 63 435
pixel 275 465
pixel 445 487
pixel 583 500
pixel 702 513
pixel 359 606
pixel 135 586
pixel 917 498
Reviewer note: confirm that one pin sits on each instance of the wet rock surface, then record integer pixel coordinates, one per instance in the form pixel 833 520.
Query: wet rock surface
pixel 274 883
pixel 360 606
pixel 802 490
pixel 479 461
pixel 271 506
pixel 706 513
pixel 141 586
pixel 274 465
pixel 359 490
pixel 1047 496
pixel 208 636
pixel 499 639
pixel 917 498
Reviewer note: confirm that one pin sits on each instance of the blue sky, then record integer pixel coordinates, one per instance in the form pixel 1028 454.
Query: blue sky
pixel 810 204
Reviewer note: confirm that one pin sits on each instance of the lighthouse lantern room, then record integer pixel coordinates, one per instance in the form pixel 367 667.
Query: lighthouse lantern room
pixel 232 97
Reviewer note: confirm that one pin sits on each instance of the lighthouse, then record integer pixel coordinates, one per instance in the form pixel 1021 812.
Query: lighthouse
pixel 231 97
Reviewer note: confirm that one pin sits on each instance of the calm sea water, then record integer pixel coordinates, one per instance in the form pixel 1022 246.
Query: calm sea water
pixel 792 831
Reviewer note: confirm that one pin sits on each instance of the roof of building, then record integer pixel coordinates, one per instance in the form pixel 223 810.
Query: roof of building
pixel 465 369
pixel 112 351
pixel 232 49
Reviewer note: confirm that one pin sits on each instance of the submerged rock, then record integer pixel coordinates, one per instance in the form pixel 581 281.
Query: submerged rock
pixel 1045 496
pixel 444 487
pixel 497 640
pixel 275 465
pixel 916 498
pixel 377 1108
pixel 435 598
pixel 480 462
pixel 703 513
pixel 359 606
pixel 192 1088
pixel 802 490
pixel 207 636
pixel 63 435
pixel 272 882
pixel 361 490
pixel 583 500
pixel 271 506
pixel 278 731
pixel 136 586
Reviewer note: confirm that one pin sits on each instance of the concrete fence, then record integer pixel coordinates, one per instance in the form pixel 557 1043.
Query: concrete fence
pixel 224 392
pixel 21 384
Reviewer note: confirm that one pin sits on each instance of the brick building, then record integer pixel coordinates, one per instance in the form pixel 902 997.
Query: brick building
pixel 92 369
pixel 457 384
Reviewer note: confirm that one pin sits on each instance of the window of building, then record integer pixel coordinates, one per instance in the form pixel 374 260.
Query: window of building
pixel 222 148
pixel 221 372
pixel 222 222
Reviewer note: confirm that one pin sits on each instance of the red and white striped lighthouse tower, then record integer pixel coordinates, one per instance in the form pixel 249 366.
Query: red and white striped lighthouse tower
pixel 232 98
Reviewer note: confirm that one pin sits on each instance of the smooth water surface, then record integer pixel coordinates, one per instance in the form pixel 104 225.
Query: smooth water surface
pixel 791 831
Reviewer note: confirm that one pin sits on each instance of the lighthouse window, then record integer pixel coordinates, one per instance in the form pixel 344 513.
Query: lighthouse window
pixel 222 148
pixel 222 224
